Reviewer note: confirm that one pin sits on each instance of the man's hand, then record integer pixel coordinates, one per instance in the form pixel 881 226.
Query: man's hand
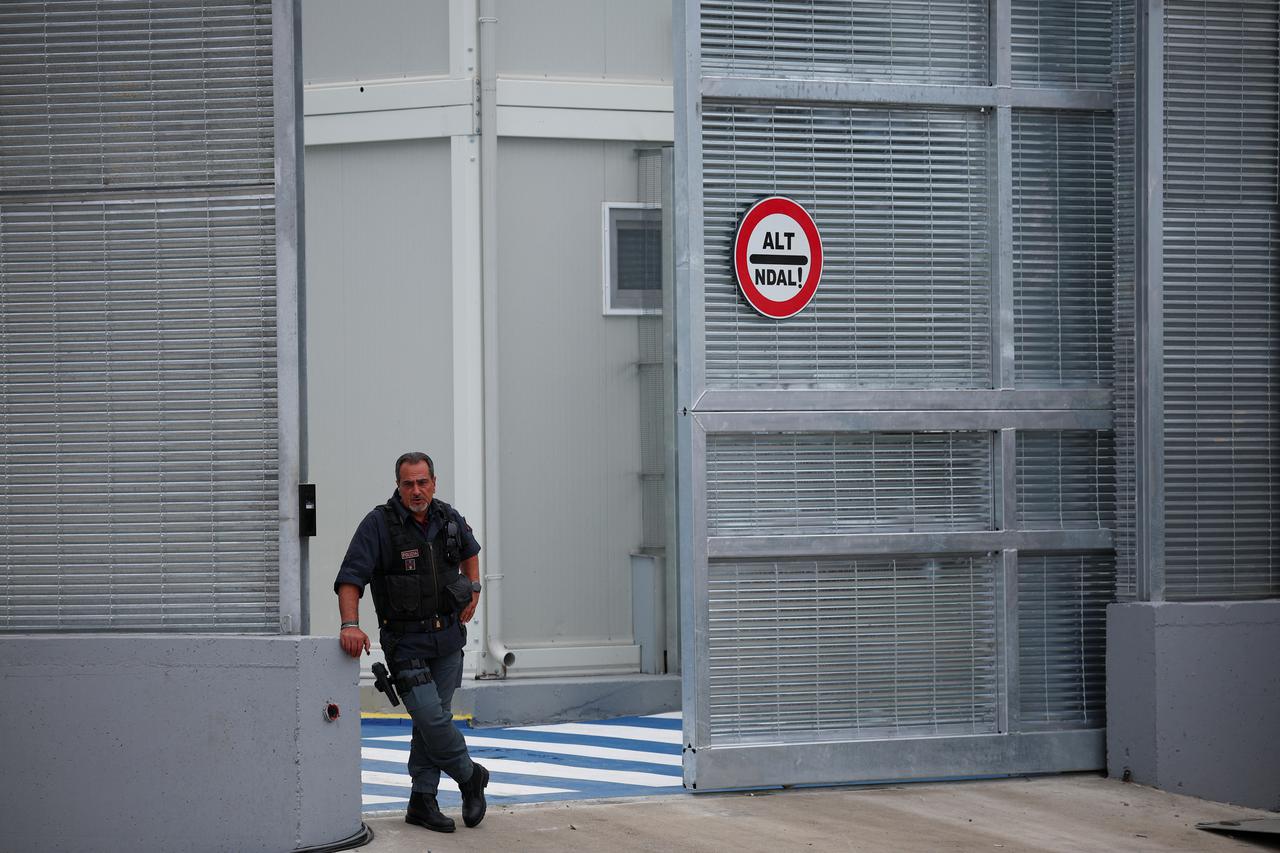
pixel 471 568
pixel 353 640
pixel 470 609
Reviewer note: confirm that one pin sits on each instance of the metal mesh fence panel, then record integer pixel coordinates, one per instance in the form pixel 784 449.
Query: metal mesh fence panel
pixel 863 648
pixel 139 390
pixel 902 197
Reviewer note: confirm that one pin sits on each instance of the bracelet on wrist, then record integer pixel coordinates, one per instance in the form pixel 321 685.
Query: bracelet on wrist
pixel 349 625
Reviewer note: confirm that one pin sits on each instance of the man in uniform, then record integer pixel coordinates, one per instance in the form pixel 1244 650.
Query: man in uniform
pixel 422 561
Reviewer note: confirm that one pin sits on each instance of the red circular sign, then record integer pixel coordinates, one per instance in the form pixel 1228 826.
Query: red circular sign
pixel 777 257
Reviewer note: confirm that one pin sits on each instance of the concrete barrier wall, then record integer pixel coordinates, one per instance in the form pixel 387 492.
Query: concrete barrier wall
pixel 177 743
pixel 1193 698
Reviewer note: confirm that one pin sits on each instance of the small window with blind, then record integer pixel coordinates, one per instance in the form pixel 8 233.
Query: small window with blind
pixel 632 258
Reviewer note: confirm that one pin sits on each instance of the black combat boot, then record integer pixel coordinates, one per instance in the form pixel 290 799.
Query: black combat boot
pixel 424 811
pixel 473 795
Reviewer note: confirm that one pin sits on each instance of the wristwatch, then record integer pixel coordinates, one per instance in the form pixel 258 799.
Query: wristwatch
pixel 475 586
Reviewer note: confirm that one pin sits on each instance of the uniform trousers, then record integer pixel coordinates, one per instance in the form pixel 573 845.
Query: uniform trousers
pixel 437 744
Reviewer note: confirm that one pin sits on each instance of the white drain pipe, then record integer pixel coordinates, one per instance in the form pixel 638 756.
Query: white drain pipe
pixel 495 657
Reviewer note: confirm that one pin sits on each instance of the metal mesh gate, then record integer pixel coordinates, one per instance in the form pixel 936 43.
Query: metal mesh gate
pixel 901 499
pixel 148 260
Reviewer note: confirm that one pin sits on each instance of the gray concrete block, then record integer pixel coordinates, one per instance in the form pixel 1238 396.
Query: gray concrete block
pixel 1193 698
pixel 1131 693
pixel 177 743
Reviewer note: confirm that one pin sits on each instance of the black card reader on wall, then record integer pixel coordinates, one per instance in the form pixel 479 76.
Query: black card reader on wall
pixel 306 509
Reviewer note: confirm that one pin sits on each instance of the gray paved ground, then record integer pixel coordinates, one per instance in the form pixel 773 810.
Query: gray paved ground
pixel 1079 812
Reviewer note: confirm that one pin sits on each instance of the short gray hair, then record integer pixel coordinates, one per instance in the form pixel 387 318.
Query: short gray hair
pixel 414 457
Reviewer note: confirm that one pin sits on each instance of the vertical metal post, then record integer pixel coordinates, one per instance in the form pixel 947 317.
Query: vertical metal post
pixel 462 48
pixel 688 284
pixel 1003 333
pixel 1007 484
pixel 1011 694
pixel 670 427
pixel 1006 492
pixel 1001 36
pixel 1149 304
pixel 1001 135
pixel 1002 298
pixel 286 39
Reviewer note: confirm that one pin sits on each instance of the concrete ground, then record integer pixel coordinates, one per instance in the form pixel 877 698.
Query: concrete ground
pixel 1077 812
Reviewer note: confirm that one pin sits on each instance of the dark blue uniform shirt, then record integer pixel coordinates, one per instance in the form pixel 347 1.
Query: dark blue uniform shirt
pixel 367 546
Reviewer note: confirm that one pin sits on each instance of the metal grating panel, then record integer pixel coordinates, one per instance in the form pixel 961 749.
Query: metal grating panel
pixel 848 483
pixel 1222 405
pixel 1066 480
pixel 138 468
pixel 1062 248
pixel 1124 59
pixel 1062 638
pixel 135 93
pixel 900 196
pixel 1221 310
pixel 920 41
pixel 1064 44
pixel 1222 72
pixel 830 649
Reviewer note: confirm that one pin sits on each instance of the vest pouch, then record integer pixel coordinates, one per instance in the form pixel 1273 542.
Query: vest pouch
pixel 405 593
pixel 460 592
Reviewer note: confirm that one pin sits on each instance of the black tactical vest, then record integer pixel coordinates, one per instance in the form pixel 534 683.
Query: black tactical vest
pixel 410 584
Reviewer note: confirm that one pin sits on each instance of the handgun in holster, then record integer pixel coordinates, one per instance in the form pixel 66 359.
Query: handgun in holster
pixel 382 681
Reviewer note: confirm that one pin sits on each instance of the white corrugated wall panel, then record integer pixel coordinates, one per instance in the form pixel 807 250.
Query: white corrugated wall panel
pixel 618 40
pixel 570 424
pixel 344 42
pixel 379 247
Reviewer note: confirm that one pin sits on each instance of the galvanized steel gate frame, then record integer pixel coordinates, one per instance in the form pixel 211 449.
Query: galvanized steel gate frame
pixel 704 412
pixel 286 30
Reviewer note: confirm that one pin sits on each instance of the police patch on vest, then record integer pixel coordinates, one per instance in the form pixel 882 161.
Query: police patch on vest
pixel 410 561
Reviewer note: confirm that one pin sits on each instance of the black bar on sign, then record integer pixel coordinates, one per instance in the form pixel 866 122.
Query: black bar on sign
pixel 781 260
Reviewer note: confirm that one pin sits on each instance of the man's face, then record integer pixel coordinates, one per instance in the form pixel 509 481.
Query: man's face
pixel 416 487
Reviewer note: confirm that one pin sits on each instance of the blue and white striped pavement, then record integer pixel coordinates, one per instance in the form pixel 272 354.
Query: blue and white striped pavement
pixel 624 757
